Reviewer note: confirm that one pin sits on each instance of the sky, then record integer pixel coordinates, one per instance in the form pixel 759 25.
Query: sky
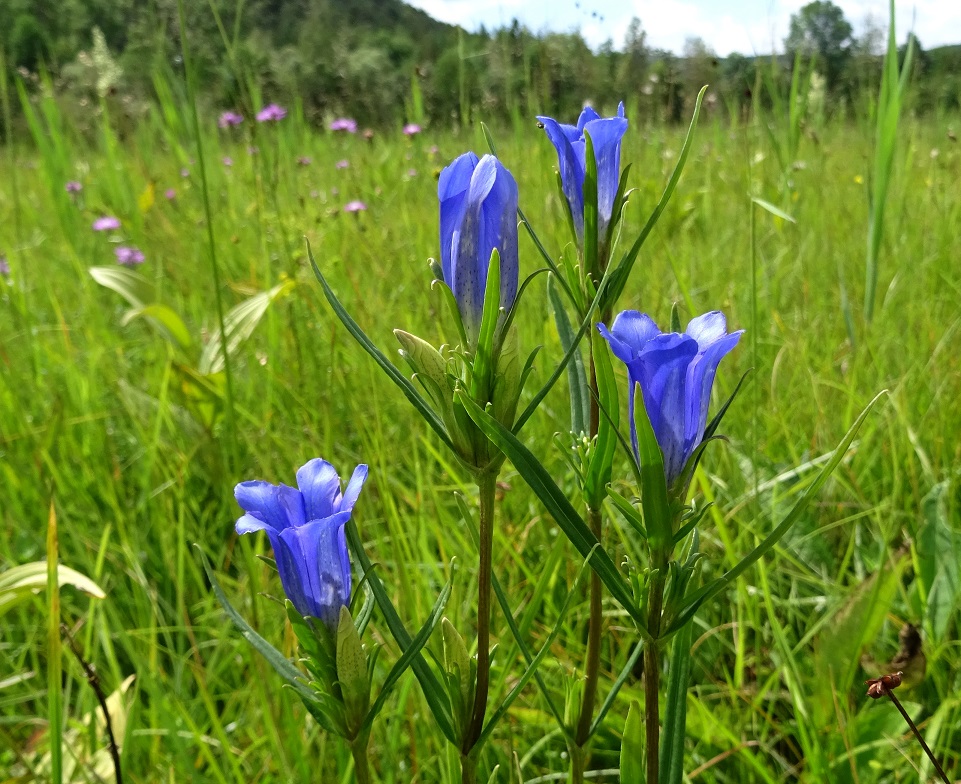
pixel 745 26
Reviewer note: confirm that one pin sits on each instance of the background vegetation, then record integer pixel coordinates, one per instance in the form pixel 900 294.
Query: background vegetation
pixel 111 421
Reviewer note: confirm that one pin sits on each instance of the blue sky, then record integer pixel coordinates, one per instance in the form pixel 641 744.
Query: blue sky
pixel 747 26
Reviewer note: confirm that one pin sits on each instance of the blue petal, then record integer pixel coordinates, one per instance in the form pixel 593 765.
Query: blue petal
pixel 622 350
pixel 634 329
pixel 588 113
pixel 661 369
pixel 278 506
pixel 354 486
pixel 320 485
pixel 452 192
pixel 620 109
pixel 700 381
pixel 323 568
pixel 570 163
pixel 606 137
pixel 707 328
pixel 288 561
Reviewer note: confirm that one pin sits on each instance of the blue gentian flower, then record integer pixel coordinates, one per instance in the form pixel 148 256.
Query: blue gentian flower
pixel 676 373
pixel 478 212
pixel 568 140
pixel 306 530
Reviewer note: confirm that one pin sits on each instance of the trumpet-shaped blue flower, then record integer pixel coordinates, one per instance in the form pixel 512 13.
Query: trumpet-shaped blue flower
pixel 676 373
pixel 568 140
pixel 305 526
pixel 478 212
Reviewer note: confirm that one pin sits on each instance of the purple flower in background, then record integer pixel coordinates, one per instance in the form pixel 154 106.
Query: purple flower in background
pixel 568 140
pixel 304 160
pixel 185 172
pixel 478 213
pixel 271 113
pixel 228 161
pixel 252 149
pixel 305 525
pixel 229 119
pixel 434 149
pixel 676 373
pixel 344 124
pixel 170 194
pixel 411 129
pixel 412 172
pixel 4 267
pixel 129 256
pixel 106 223
pixel 342 164
pixel 73 187
pixel 355 206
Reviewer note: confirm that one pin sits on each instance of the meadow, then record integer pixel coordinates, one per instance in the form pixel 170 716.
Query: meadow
pixel 117 423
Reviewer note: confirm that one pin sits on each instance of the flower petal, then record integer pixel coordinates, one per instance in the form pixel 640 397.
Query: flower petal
pixel 700 381
pixel 324 566
pixel 707 328
pixel 606 137
pixel 319 483
pixel 452 192
pixel 588 113
pixel 661 369
pixel 354 486
pixel 570 163
pixel 634 329
pixel 278 506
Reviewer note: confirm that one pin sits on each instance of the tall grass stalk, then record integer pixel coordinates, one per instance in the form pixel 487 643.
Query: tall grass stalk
pixel 893 89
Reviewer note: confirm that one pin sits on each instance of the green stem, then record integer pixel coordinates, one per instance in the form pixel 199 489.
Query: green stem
pixel 486 484
pixel 652 677
pixel 358 750
pixel 592 665
pixel 468 769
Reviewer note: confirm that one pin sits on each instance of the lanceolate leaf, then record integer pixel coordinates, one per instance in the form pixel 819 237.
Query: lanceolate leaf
pixel 654 501
pixel 576 375
pixel 574 527
pixel 675 716
pixel 407 658
pixel 712 589
pixel 409 390
pixel 434 692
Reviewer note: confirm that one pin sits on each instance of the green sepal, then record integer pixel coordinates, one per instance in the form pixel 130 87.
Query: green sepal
pixel 628 511
pixel 573 699
pixel 451 302
pixel 675 318
pixel 566 206
pixel 318 646
pixel 620 199
pixel 690 521
pixel 461 673
pixel 602 455
pixel 654 498
pixel 507 380
pixel 423 358
pixel 352 673
pixel 486 348
pixel 436 269
pixel 632 746
pixel 589 192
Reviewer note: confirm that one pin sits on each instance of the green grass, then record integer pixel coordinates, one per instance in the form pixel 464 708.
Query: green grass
pixel 95 416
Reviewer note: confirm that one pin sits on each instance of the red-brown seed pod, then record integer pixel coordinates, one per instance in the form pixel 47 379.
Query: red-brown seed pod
pixel 879 687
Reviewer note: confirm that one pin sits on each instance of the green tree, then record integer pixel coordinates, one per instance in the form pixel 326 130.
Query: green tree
pixel 821 29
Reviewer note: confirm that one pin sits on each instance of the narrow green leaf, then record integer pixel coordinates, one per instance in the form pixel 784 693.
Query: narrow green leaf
pixel 775 211
pixel 626 672
pixel 410 656
pixel 654 501
pixel 576 374
pixel 675 714
pixel 602 457
pixel 632 747
pixel 132 286
pixel 165 320
pixel 482 380
pixel 589 194
pixel 294 677
pixel 409 390
pixel 541 654
pixel 713 588
pixel 434 692
pixel 574 527
pixel 623 269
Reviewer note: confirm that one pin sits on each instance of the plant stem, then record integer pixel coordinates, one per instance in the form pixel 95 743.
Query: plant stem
pixel 486 484
pixel 358 750
pixel 917 734
pixel 592 665
pixel 652 677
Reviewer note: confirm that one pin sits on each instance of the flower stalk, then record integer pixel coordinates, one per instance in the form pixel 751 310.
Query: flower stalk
pixel 486 485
